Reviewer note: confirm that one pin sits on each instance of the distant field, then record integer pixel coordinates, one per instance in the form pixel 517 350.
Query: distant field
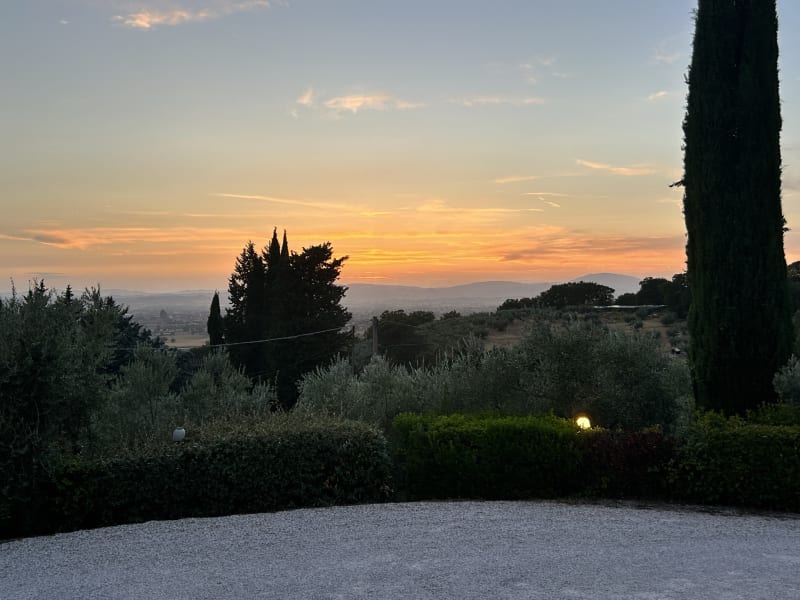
pixel 672 335
pixel 185 339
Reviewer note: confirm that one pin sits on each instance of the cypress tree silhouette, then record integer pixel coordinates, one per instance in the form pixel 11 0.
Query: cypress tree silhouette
pixel 278 294
pixel 215 325
pixel 739 319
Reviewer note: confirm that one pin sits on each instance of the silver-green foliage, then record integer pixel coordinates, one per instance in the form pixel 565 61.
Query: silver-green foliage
pixel 218 390
pixel 787 382
pixel 142 410
pixel 619 379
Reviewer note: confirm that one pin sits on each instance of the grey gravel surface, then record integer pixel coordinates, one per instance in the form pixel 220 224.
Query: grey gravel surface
pixel 459 550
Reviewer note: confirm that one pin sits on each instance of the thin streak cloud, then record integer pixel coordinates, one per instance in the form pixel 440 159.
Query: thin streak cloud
pixel 375 101
pixel 631 171
pixel 497 101
pixel 150 17
pixel 548 194
pixel 289 201
pixel 516 179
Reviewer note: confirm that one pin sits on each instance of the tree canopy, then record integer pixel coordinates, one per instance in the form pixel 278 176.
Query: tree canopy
pixel 580 293
pixel 285 315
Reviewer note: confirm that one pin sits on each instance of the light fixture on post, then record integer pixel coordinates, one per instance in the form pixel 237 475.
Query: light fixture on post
pixel 583 422
pixel 178 434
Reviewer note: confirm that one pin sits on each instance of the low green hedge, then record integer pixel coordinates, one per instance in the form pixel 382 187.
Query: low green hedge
pixel 295 464
pixel 490 457
pixel 312 465
pixel 626 464
pixel 716 462
pixel 739 464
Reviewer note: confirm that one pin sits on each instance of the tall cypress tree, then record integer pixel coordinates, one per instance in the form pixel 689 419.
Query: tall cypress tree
pixel 739 320
pixel 215 325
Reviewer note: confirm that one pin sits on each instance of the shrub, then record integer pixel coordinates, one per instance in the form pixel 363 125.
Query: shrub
pixel 668 318
pixel 731 462
pixel 491 457
pixel 787 382
pixel 374 396
pixel 281 465
pixel 620 380
pixel 622 464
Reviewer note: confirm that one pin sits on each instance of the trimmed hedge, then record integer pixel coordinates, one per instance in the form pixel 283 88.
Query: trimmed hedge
pixel 291 465
pixel 312 465
pixel 740 464
pixel 626 464
pixel 490 457
pixel 717 462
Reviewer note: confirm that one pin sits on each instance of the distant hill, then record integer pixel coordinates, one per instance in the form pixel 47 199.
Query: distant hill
pixel 360 292
pixel 375 298
pixel 471 297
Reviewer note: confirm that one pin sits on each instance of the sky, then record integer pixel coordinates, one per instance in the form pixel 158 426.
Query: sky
pixel 433 142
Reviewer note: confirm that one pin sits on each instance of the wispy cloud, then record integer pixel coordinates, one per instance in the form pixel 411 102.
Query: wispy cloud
pixel 497 101
pixel 370 101
pixel 657 95
pixel 665 54
pixel 289 201
pixel 155 14
pixel 532 70
pixel 307 98
pixel 126 239
pixel 629 171
pixel 542 195
pixel 441 207
pixel 516 179
pixel 548 194
pixel 553 243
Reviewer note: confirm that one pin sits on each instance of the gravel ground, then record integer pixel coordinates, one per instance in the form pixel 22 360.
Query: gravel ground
pixel 458 550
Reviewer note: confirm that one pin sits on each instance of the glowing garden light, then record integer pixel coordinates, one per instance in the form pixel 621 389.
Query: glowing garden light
pixel 583 422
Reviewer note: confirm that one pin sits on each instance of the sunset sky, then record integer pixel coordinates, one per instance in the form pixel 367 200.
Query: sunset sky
pixel 435 142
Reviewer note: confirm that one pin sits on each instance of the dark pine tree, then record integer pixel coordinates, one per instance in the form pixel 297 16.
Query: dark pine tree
pixel 285 299
pixel 245 319
pixel 739 320
pixel 215 325
pixel 312 304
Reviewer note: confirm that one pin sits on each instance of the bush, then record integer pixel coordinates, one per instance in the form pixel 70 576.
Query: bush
pixel 730 462
pixel 620 380
pixel 488 457
pixel 787 382
pixel 622 464
pixel 284 465
pixel 668 319
pixel 374 396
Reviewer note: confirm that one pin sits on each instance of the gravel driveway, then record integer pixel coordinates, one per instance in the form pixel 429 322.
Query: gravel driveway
pixel 448 550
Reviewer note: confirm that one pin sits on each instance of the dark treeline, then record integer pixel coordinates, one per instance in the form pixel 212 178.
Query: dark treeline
pixel 674 294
